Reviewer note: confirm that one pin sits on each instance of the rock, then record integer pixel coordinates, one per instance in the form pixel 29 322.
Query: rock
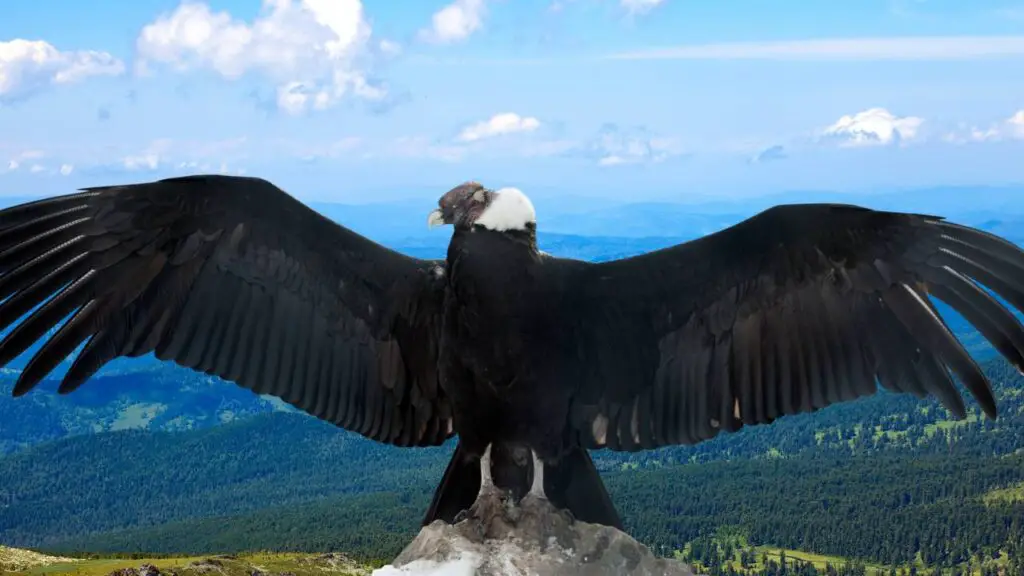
pixel 207 565
pixel 533 538
pixel 143 570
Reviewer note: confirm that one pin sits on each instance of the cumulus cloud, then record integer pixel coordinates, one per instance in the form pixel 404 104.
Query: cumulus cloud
pixel 637 7
pixel 313 50
pixel 498 125
pixel 872 127
pixel 615 146
pixel 455 22
pixel 28 66
pixel 1011 128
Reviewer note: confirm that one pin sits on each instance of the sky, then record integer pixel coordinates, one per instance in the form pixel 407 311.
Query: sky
pixel 380 100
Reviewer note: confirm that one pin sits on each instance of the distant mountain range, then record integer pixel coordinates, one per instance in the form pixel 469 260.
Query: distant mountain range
pixel 397 222
pixel 149 396
pixel 691 216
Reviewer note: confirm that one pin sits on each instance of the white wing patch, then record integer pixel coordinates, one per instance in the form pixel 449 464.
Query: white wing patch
pixel 510 210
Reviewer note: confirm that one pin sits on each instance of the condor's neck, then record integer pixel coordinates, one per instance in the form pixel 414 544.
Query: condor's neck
pixel 483 239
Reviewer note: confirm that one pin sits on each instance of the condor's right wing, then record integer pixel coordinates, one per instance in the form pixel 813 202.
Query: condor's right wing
pixel 229 276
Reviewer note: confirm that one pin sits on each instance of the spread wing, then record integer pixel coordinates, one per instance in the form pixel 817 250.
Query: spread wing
pixel 229 276
pixel 796 308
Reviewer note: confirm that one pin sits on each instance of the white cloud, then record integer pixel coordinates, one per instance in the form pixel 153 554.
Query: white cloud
pixel 498 125
pixel 66 169
pixel 872 127
pixel 1011 128
pixel 312 49
pixel 162 155
pixel 27 66
pixel 390 48
pixel 152 157
pixel 1015 124
pixel 636 7
pixel 899 48
pixel 614 146
pixel 455 22
pixel 208 168
pixel 16 161
pixel 148 161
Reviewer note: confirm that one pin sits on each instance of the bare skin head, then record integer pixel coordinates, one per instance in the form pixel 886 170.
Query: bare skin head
pixel 471 204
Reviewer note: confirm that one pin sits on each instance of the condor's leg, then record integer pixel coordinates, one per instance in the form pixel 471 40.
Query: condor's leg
pixel 486 481
pixel 537 488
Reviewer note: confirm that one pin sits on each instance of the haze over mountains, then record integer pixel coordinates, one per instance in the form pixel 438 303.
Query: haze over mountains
pixel 574 213
pixel 577 214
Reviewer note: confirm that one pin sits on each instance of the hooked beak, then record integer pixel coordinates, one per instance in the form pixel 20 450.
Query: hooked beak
pixel 435 218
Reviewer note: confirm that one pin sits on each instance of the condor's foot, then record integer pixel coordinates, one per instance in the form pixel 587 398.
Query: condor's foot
pixel 537 499
pixel 490 500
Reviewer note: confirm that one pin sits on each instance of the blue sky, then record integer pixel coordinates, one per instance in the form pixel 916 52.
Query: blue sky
pixel 625 99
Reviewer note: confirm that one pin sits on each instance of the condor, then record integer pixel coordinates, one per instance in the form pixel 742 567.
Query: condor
pixel 528 358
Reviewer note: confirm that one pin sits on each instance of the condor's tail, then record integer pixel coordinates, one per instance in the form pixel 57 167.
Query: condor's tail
pixel 458 488
pixel 573 484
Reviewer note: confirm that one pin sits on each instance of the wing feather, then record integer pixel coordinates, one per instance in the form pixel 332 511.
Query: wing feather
pixel 792 310
pixel 233 277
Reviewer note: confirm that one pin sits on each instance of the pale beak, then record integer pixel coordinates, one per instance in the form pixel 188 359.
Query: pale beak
pixel 435 218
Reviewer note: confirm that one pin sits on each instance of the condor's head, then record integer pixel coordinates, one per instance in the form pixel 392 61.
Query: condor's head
pixel 470 204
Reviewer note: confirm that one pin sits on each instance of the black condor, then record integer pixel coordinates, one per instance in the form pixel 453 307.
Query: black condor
pixel 528 358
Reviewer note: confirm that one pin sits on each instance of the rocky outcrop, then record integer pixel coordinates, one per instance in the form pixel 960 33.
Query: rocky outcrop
pixel 498 538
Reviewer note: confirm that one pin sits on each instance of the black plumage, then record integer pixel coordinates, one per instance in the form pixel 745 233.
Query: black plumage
pixel 517 352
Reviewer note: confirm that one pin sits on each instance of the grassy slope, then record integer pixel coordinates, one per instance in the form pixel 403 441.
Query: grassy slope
pixel 14 561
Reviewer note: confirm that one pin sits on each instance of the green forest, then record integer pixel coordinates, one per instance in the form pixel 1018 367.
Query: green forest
pixel 888 481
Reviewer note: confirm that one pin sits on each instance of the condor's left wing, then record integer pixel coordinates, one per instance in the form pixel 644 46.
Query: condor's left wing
pixel 794 309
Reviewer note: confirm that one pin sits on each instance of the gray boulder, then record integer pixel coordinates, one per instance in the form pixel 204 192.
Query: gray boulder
pixel 531 538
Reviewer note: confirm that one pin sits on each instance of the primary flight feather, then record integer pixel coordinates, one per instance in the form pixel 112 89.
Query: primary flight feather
pixel 530 359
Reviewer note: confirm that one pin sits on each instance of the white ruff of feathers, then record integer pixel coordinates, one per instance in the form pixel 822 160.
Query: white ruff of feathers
pixel 509 210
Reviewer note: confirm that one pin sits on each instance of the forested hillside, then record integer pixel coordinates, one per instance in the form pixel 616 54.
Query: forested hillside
pixel 887 479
